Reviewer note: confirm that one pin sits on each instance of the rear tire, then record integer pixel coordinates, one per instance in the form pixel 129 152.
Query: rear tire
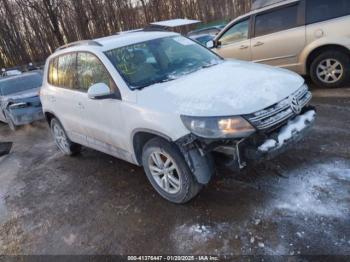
pixel 62 141
pixel 168 172
pixel 331 69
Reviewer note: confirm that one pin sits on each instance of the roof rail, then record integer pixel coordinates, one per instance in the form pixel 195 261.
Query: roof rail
pixel 78 43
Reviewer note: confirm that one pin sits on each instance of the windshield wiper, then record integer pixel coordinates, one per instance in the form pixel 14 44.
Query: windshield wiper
pixel 209 65
pixel 154 82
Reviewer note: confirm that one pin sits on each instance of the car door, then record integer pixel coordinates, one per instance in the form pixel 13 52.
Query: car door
pixel 62 96
pixel 235 42
pixel 279 36
pixel 101 118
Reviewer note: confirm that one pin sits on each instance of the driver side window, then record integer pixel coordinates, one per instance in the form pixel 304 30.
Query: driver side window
pixel 236 33
pixel 91 71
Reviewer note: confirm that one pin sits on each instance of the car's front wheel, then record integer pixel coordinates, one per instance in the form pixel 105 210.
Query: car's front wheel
pixel 168 172
pixel 331 69
pixel 62 141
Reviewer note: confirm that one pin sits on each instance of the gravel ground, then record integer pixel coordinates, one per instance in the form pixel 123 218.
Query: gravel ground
pixel 298 203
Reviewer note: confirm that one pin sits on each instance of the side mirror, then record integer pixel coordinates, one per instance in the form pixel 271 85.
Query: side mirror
pixel 99 91
pixel 210 44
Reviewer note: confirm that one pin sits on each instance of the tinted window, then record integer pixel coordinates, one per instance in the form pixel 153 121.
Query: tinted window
pixel 275 21
pixel 91 71
pixel 66 70
pixel 20 84
pixel 320 10
pixel 236 33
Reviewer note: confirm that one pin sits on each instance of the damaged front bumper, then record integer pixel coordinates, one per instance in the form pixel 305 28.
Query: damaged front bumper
pixel 281 140
pixel 236 155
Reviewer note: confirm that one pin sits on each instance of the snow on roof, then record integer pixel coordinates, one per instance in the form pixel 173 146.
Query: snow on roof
pixel 176 22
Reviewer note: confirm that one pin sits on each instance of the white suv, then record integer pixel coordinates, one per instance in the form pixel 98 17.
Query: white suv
pixel 162 101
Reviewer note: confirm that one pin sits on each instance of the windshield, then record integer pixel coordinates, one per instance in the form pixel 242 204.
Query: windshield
pixel 19 84
pixel 160 60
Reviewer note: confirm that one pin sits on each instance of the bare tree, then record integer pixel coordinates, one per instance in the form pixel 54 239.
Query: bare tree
pixel 32 29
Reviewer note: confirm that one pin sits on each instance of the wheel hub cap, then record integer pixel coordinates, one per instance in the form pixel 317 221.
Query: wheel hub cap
pixel 330 71
pixel 60 138
pixel 165 172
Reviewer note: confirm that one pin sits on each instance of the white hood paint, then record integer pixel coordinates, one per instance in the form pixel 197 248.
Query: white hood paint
pixel 230 88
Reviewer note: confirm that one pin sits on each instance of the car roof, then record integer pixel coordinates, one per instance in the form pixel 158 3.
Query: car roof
pixel 266 7
pixel 115 41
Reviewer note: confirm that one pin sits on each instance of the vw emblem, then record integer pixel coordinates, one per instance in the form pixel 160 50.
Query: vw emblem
pixel 295 105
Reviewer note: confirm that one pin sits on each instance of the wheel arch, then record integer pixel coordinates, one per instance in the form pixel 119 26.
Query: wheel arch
pixel 140 137
pixel 49 116
pixel 321 49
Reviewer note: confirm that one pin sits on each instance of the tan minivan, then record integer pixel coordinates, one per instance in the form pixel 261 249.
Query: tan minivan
pixel 310 37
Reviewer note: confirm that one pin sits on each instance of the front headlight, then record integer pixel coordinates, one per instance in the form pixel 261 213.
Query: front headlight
pixel 218 127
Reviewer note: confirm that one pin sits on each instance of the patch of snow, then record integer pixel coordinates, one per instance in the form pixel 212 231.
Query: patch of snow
pixel 268 144
pixel 176 22
pixel 321 192
pixel 229 88
pixel 296 125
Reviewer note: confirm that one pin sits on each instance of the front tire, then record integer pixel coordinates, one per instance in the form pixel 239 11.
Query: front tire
pixel 62 141
pixel 331 69
pixel 168 172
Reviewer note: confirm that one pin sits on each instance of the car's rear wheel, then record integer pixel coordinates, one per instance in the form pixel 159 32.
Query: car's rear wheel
pixel 168 172
pixel 331 69
pixel 62 141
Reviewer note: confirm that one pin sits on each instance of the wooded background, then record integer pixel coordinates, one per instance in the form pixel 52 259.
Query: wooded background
pixel 30 30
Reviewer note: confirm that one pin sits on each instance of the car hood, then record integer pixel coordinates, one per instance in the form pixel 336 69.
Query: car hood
pixel 23 95
pixel 229 88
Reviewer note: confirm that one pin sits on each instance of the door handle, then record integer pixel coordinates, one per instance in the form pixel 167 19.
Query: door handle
pixel 80 105
pixel 52 99
pixel 243 47
pixel 258 44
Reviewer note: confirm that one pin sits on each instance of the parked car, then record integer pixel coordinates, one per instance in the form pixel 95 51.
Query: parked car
pixel 212 30
pixel 202 39
pixel 310 37
pixel 19 99
pixel 164 102
pixel 13 72
pixel 204 35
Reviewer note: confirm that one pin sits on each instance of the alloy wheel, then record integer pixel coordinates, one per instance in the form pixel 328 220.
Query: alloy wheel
pixel 330 71
pixel 165 172
pixel 60 138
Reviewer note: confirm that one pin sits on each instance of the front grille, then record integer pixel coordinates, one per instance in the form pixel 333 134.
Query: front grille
pixel 273 116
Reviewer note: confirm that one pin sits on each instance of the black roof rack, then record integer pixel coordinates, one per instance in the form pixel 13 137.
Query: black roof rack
pixel 78 43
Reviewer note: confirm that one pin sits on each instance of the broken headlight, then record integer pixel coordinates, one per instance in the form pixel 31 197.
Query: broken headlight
pixel 218 127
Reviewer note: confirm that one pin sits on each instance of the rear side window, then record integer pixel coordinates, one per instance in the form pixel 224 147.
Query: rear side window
pixel 321 10
pixel 62 71
pixel 66 70
pixel 91 71
pixel 275 21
